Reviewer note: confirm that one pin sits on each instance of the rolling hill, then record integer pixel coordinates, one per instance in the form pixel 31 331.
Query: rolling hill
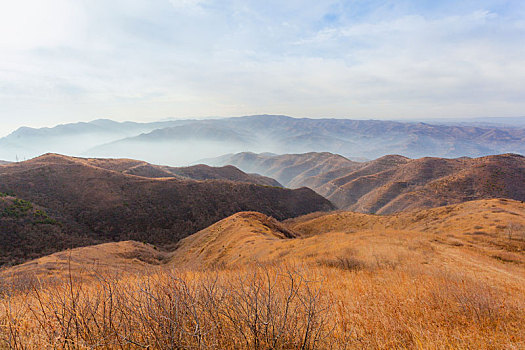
pixel 227 172
pixel 479 227
pixel 392 183
pixel 92 203
pixel 475 235
pixel 428 182
pixel 195 172
pixel 292 170
pixel 493 228
pixel 115 257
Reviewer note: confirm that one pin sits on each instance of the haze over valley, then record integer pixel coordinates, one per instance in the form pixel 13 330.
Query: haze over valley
pixel 184 142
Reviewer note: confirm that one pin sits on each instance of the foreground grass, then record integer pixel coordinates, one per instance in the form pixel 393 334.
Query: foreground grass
pixel 339 304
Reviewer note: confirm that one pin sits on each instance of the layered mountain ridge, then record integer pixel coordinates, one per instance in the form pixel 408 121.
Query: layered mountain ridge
pixel 391 183
pixel 189 140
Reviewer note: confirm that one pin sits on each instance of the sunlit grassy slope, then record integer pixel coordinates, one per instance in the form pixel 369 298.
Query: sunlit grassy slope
pixel 446 278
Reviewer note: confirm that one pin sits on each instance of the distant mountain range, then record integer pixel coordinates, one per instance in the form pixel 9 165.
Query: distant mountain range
pixel 183 142
pixel 391 183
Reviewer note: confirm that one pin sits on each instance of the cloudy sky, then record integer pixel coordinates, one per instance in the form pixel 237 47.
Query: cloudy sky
pixel 71 60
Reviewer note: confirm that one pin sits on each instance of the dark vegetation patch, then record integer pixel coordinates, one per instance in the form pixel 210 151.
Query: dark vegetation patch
pixel 63 204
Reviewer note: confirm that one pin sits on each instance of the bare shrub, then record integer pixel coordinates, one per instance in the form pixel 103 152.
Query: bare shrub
pixel 349 263
pixel 270 307
pixel 258 309
pixel 515 231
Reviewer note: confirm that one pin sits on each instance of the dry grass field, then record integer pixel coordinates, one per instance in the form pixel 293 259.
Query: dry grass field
pixel 445 278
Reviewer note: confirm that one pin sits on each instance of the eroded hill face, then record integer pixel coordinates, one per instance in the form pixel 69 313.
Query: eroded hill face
pixel 292 170
pixel 104 204
pixel 393 183
pixel 428 182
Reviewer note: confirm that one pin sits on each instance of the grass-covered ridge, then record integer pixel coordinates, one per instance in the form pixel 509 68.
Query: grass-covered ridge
pixel 445 278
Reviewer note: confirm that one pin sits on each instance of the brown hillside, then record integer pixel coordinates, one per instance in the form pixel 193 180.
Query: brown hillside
pixel 228 172
pixel 236 239
pixel 429 182
pixel 292 170
pixel 196 172
pixel 28 231
pixel 113 206
pixel 392 183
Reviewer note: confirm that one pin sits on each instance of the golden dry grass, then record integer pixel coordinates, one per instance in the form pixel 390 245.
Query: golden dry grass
pixel 445 278
pixel 125 256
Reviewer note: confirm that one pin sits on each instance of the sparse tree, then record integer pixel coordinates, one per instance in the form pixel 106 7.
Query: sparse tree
pixel 514 230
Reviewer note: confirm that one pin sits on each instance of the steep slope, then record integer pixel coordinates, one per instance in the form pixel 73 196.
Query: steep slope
pixel 28 231
pixel 292 170
pixel 327 183
pixel 427 182
pixel 196 172
pixel 113 206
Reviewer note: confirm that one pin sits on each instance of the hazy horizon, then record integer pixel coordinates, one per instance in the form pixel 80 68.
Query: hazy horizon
pixel 438 120
pixel 184 142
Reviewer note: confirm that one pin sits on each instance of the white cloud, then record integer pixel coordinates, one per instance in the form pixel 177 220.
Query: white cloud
pixel 195 6
pixel 64 61
pixel 26 24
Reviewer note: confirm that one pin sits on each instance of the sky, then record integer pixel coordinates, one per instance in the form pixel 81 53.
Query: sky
pixel 78 60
